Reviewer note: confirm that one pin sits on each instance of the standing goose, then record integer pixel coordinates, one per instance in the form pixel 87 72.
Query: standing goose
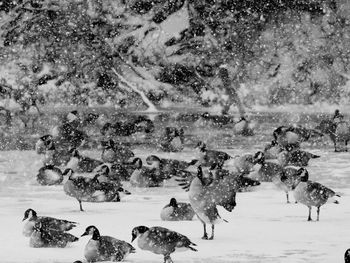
pixel 268 170
pixel 175 211
pixel 211 157
pixel 105 248
pixel 286 179
pixel 160 240
pixel 47 237
pixel 312 193
pixel 146 176
pixel 206 193
pixel 90 189
pixel 49 175
pixel 46 222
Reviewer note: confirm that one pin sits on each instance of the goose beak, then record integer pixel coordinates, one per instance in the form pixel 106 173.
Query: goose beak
pixel 84 234
pixel 24 219
pixel 133 238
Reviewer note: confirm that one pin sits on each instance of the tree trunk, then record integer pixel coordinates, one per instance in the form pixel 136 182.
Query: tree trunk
pixel 231 87
pixel 133 87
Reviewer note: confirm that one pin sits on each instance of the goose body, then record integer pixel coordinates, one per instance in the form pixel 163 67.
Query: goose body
pixel 146 176
pixel 172 140
pixel 311 193
pixel 211 157
pixel 82 164
pixel 91 190
pixel 46 237
pixel 243 127
pixel 286 180
pixel 268 170
pixel 176 211
pixel 115 153
pixel 205 194
pixel 49 175
pixel 296 157
pixel 160 240
pixel 32 218
pixel 105 248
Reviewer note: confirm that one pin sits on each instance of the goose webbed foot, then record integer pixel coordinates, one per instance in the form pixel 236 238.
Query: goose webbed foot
pixel 205 236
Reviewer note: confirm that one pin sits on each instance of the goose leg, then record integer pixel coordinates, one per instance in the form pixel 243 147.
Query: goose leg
pixel 80 205
pixel 212 232
pixel 287 195
pixel 167 259
pixel 309 218
pixel 205 235
pixel 318 213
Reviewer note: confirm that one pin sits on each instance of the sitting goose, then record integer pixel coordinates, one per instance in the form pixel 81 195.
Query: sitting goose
pixel 49 175
pixel 312 193
pixel 243 127
pixel 296 157
pixel 86 189
pixel 47 237
pixel 115 152
pixel 105 248
pixel 168 142
pixel 210 157
pixel 169 167
pixel 82 164
pixel 146 176
pixel 160 240
pixel 47 222
pixel 175 211
pixel 272 150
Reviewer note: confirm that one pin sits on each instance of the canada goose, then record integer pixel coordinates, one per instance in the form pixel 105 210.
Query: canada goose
pixel 206 193
pixel 296 157
pixel 105 248
pixel 168 142
pixel 243 127
pixel 268 170
pixel 347 256
pixel 169 167
pixel 175 211
pixel 210 157
pixel 82 164
pixel 90 189
pixel 293 135
pixel 286 179
pixel 272 150
pixel 160 240
pixel 49 175
pixel 47 222
pixel 338 130
pixel 243 164
pixel 68 136
pixel 115 152
pixel 312 193
pixel 47 237
pixel 146 176
pixel 44 144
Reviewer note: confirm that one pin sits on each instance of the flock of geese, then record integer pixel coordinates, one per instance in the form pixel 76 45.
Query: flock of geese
pixel 212 179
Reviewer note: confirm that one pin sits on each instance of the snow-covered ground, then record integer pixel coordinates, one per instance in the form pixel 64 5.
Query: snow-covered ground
pixel 262 227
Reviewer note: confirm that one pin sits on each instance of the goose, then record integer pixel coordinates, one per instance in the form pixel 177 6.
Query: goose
pixel 86 189
pixel 105 248
pixel 160 240
pixel 82 164
pixel 205 193
pixel 285 180
pixel 347 256
pixel 210 157
pixel 146 176
pixel 49 175
pixel 294 135
pixel 243 164
pixel 272 150
pixel 338 130
pixel 268 170
pixel 175 211
pixel 44 144
pixel 115 152
pixel 243 127
pixel 296 157
pixel 47 222
pixel 311 193
pixel 168 142
pixel 169 167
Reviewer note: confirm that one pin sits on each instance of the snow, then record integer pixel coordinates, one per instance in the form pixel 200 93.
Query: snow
pixel 262 228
